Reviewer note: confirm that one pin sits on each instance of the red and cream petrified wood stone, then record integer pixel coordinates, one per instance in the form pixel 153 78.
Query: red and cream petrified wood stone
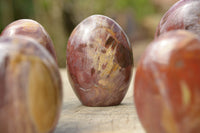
pixel 185 14
pixel 167 84
pixel 33 29
pixel 30 87
pixel 99 61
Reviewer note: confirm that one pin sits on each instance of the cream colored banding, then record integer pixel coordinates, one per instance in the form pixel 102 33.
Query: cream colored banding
pixel 42 93
pixel 186 94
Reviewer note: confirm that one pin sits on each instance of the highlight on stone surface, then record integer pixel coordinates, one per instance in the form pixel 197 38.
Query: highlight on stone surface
pixel 99 61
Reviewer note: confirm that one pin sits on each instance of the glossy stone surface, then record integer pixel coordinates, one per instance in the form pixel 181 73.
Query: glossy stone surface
pixel 99 61
pixel 30 87
pixel 185 14
pixel 167 84
pixel 33 29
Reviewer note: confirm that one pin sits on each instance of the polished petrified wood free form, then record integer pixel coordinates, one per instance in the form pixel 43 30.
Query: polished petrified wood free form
pixel 30 87
pixel 99 61
pixel 33 29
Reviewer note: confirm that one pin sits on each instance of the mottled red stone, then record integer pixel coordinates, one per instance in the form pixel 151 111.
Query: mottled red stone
pixel 33 29
pixel 99 61
pixel 15 114
pixel 167 84
pixel 184 14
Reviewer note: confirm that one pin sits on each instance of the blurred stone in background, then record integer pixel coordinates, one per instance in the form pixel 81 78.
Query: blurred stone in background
pixel 163 4
pixel 138 18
